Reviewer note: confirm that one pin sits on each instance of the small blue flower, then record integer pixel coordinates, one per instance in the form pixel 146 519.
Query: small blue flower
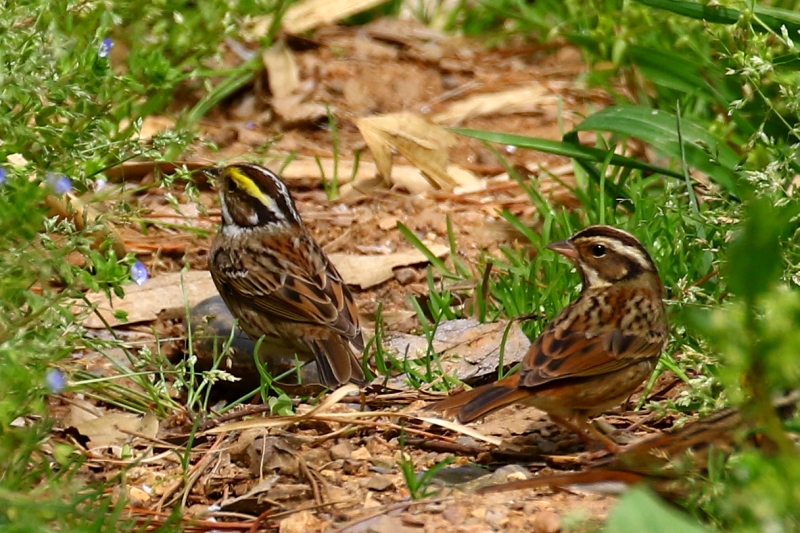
pixel 2 175
pixel 100 184
pixel 55 380
pixel 105 47
pixel 58 182
pixel 139 273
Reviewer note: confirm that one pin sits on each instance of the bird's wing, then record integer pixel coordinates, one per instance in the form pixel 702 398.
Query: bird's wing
pixel 586 349
pixel 308 291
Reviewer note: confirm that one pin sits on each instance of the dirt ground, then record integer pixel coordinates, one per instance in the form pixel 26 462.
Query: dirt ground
pixel 328 472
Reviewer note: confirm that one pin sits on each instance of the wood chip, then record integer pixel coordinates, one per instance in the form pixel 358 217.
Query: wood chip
pixel 523 100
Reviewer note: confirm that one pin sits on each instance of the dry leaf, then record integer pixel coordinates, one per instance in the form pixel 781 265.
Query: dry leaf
pixel 309 14
pixel 151 126
pixel 366 271
pixel 17 160
pixel 80 411
pixel 423 143
pixel 305 169
pixel 282 70
pixel 294 110
pixel 69 207
pixel 160 293
pixel 115 428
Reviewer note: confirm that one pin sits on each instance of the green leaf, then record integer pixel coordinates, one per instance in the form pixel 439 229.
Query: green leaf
pixel 642 511
pixel 755 259
pixel 690 75
pixel 772 18
pixel 566 149
pixel 704 151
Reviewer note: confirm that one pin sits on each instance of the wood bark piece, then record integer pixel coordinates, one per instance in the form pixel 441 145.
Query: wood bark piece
pixel 159 293
pixel 521 100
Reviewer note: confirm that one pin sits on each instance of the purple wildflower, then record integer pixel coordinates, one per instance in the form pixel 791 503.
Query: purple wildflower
pixel 54 379
pixel 139 273
pixel 105 47
pixel 58 182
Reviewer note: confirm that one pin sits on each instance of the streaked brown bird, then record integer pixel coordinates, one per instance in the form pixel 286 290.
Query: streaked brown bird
pixel 277 281
pixel 597 350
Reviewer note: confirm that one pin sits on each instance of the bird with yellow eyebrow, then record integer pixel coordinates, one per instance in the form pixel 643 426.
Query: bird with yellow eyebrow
pixel 277 281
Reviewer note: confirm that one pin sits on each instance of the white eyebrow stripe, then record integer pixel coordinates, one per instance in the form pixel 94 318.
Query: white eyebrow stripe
pixel 625 250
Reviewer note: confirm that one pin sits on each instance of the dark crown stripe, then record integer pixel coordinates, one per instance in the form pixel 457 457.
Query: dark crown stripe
pixel 611 233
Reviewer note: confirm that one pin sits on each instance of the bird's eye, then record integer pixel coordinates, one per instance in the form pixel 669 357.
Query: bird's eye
pixel 598 250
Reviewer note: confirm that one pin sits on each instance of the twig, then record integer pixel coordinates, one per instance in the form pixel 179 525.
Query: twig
pixel 197 470
pixel 248 410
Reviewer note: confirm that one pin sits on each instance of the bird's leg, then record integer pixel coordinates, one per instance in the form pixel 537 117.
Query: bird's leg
pixel 587 432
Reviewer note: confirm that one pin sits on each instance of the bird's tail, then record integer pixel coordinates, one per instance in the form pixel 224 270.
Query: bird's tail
pixel 479 402
pixel 338 362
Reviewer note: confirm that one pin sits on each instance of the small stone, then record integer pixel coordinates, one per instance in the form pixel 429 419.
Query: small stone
pixel 389 222
pixel 508 473
pixel 456 475
pixel 405 275
pixel 497 515
pixel 350 467
pixel 478 512
pixel 341 450
pixel 467 441
pixel 414 520
pixel 317 456
pixel 454 515
pixel 547 446
pixel 301 522
pixel 383 463
pixel 361 454
pixel 546 522
pixel 377 446
pixel 379 483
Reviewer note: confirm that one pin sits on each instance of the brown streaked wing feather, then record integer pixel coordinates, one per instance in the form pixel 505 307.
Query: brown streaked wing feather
pixel 347 320
pixel 583 351
pixel 312 293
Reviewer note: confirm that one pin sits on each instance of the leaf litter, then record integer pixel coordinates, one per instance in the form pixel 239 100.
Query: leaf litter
pixel 391 87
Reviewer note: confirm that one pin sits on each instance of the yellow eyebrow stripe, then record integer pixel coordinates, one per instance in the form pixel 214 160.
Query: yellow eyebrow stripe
pixel 251 188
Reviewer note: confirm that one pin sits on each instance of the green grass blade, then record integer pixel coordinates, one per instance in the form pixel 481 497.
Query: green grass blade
pixel 566 149
pixel 703 150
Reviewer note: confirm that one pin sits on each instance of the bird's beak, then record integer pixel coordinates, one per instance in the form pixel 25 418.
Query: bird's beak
pixel 565 248
pixel 211 172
